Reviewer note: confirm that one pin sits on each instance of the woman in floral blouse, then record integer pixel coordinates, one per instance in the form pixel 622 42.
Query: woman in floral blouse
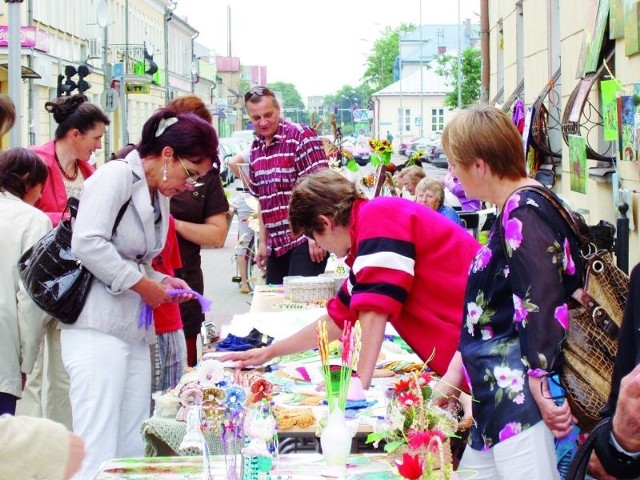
pixel 515 312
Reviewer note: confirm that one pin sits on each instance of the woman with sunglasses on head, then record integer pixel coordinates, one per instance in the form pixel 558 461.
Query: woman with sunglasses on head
pixel 81 126
pixel 106 352
pixel 281 154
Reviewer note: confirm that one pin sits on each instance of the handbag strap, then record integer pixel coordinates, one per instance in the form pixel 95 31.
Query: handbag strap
pixel 580 462
pixel 73 203
pixel 123 209
pixel 567 216
pixel 599 315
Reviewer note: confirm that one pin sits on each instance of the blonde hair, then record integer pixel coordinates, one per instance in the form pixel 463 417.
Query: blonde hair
pixel 413 174
pixel 487 133
pixel 432 185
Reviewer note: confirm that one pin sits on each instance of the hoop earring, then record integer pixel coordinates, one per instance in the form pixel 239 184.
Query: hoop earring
pixel 164 173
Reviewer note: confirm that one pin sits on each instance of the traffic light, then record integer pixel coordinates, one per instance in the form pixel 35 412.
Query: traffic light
pixel 83 71
pixel 67 84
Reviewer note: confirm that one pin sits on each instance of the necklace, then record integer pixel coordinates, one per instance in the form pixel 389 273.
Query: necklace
pixel 64 174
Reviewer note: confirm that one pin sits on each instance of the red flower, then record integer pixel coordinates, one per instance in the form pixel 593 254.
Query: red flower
pixel 402 385
pixel 418 439
pixel 261 388
pixel 424 379
pixel 411 466
pixel 408 399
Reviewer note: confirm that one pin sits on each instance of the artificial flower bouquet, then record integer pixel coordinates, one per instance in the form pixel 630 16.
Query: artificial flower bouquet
pixel 382 152
pixel 416 430
pixel 337 379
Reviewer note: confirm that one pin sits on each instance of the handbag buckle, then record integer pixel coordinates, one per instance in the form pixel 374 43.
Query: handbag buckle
pixel 604 321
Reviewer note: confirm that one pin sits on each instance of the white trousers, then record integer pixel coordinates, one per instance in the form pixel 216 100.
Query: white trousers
pixel 46 393
pixel 110 392
pixel 530 455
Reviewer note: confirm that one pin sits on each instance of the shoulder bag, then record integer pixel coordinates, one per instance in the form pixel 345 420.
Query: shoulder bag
pixel 595 316
pixel 54 279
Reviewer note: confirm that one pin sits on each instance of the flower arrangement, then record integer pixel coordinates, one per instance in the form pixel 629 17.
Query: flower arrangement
pixel 417 429
pixel 337 380
pixel 417 155
pixel 382 151
pixel 369 181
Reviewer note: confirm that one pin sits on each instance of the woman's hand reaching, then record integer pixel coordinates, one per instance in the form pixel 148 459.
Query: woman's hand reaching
pixel 249 358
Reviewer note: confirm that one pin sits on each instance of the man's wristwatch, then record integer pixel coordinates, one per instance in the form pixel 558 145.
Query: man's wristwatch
pixel 615 460
pixel 618 447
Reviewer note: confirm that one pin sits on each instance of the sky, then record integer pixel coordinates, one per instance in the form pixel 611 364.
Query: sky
pixel 317 46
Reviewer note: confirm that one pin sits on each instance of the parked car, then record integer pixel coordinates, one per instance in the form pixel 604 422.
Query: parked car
pixel 360 153
pixel 436 155
pixel 228 147
pixel 244 136
pixel 422 143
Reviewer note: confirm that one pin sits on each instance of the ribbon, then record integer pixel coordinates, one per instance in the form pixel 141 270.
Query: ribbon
pixel 146 316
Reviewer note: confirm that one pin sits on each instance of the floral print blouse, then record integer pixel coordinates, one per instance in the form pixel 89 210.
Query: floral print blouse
pixel 515 314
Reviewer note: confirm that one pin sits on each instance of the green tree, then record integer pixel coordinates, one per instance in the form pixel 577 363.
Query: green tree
pixel 383 57
pixel 346 100
pixel 447 67
pixel 292 105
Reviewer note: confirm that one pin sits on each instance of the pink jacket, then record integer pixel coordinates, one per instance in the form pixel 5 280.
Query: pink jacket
pixel 54 195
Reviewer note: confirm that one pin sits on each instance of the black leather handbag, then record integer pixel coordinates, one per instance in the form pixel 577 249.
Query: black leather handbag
pixel 54 279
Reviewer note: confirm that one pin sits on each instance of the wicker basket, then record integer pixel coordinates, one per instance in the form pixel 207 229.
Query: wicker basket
pixel 309 289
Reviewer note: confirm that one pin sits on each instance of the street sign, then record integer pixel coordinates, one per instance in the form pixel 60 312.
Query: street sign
pixel 418 121
pixel 109 100
pixel 137 88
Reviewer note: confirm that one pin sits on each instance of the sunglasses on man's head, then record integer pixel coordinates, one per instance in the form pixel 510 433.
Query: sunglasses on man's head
pixel 257 92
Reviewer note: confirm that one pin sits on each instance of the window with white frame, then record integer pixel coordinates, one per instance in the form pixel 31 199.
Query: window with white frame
pixel 404 120
pixel 437 119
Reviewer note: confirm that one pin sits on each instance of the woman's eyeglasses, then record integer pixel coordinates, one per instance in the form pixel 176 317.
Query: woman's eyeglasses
pixel 257 92
pixel 194 182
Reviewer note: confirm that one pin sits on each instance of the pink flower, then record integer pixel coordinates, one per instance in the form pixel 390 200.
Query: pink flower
pixel 513 233
pixel 567 263
pixel 482 259
pixel 561 314
pixel 512 202
pixel 520 312
pixel 487 333
pixel 408 399
pixel 509 430
pixel 424 379
pixel 418 439
pixel 536 373
pixel 411 466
